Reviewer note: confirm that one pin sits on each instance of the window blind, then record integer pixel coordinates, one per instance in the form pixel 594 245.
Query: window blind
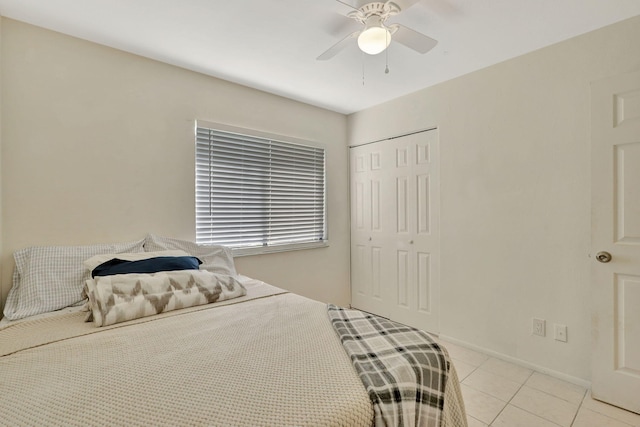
pixel 258 192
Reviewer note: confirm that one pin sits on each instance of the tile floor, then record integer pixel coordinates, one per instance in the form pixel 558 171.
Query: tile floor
pixel 500 394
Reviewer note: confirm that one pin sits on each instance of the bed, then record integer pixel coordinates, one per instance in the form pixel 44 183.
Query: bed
pixel 265 357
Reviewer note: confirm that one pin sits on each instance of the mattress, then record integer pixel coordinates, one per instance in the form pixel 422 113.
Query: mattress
pixel 268 358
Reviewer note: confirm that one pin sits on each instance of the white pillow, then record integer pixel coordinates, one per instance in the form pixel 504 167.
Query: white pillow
pixel 48 278
pixel 91 263
pixel 215 258
pixel 123 297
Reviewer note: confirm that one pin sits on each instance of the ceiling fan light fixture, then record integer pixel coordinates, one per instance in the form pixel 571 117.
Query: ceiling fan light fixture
pixel 375 38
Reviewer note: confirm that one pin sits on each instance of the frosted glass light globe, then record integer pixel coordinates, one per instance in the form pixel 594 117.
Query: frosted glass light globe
pixel 374 40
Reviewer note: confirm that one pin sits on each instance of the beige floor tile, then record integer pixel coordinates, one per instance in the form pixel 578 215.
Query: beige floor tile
pixel 463 369
pixel 588 418
pixel 465 355
pixel 516 417
pixel 558 388
pixel 472 422
pixel 492 384
pixel 611 411
pixel 508 370
pixel 480 405
pixel 545 405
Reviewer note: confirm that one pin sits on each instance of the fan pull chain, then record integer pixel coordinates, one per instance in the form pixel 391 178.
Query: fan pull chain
pixel 362 57
pixel 386 53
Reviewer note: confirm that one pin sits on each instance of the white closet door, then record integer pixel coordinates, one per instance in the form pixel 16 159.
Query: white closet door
pixel 368 232
pixel 415 215
pixel 395 235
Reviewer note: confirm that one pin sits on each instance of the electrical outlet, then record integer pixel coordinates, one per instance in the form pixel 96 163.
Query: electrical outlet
pixel 537 328
pixel 560 332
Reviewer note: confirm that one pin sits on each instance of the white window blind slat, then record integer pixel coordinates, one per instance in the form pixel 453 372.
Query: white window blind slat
pixel 258 192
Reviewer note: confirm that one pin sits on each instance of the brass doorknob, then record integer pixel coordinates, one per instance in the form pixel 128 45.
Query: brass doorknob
pixel 603 256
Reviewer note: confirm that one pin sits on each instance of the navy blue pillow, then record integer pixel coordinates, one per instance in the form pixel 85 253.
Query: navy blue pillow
pixel 151 265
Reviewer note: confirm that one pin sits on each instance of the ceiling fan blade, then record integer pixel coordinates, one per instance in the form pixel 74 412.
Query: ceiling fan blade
pixel 412 39
pixel 333 50
pixel 349 3
pixel 403 4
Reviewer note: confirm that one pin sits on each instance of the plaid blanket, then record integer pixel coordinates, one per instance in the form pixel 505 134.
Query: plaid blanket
pixel 403 369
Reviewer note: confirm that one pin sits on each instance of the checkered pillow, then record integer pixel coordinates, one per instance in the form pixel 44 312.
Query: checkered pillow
pixel 216 259
pixel 52 277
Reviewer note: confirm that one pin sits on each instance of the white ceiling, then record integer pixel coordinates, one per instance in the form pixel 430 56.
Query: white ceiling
pixel 272 44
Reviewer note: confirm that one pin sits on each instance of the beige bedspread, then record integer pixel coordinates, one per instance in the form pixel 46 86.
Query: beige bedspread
pixel 270 358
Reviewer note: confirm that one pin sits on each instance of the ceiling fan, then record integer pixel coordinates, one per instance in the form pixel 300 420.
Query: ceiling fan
pixel 376 36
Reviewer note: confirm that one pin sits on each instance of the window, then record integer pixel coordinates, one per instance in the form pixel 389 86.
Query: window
pixel 258 194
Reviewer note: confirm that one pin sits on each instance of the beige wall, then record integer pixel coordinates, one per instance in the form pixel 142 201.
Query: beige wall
pixel 515 186
pixel 98 146
pixel 1 226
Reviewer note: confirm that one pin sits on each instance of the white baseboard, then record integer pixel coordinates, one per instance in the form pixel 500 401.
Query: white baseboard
pixel 560 375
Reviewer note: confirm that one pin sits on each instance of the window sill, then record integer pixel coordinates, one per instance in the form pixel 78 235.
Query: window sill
pixel 259 250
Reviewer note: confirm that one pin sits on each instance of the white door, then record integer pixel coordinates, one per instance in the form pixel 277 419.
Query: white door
pixel 615 199
pixel 395 234
pixel 369 235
